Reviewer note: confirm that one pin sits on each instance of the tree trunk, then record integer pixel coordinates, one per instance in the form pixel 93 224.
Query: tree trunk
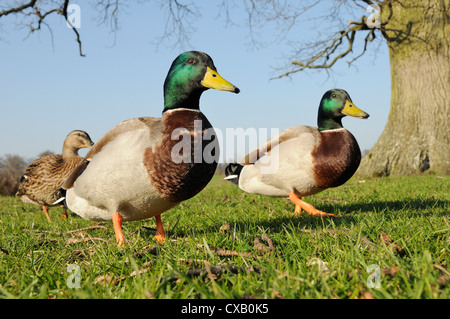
pixel 416 138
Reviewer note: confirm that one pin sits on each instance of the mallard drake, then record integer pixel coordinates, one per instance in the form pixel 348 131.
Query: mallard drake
pixel 304 160
pixel 144 166
pixel 41 182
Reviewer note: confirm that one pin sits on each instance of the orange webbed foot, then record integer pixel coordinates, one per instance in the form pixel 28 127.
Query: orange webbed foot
pixel 160 233
pixel 298 210
pixel 64 215
pixel 310 209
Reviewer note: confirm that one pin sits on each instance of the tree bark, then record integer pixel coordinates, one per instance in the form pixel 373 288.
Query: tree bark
pixel 416 138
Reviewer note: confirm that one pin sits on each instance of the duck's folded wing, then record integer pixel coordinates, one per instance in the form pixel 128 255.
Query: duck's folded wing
pixel 283 136
pixel 150 123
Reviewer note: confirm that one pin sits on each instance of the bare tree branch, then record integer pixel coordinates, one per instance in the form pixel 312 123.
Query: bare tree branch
pixel 18 9
pixel 284 15
pixel 40 10
pixel 65 14
pixel 324 54
pixel 180 21
pixel 343 37
pixel 109 12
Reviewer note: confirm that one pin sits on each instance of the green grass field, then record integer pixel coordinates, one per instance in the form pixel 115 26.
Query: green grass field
pixel 392 242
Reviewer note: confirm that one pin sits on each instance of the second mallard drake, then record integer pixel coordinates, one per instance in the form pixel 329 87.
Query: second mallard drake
pixel 144 166
pixel 42 180
pixel 304 160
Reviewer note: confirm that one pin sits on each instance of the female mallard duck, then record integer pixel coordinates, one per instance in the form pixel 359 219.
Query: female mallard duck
pixel 42 180
pixel 145 166
pixel 304 160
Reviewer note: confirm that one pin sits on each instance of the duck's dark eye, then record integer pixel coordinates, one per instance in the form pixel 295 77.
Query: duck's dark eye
pixel 214 75
pixel 333 95
pixel 190 61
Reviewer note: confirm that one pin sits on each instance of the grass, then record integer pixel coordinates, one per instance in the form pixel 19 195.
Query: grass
pixel 311 257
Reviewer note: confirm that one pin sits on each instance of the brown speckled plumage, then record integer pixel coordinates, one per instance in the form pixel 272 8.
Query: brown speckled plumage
pixel 42 180
pixel 177 182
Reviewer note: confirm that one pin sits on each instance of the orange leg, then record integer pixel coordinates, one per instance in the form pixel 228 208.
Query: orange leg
pixel 64 214
pixel 45 209
pixel 117 223
pixel 160 234
pixel 307 207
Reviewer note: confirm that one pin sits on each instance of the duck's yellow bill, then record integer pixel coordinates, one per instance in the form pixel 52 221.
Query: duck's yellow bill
pixel 213 80
pixel 351 110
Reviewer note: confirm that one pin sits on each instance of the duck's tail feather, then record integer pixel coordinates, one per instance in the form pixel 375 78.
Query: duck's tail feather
pixel 232 173
pixel 62 199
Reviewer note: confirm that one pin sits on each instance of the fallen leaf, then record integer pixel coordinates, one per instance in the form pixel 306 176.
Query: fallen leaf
pixel 269 241
pixel 225 228
pixel 259 246
pixel 367 295
pixel 227 253
pixel 443 280
pixel 387 241
pixel 445 277
pixel 141 271
pixel 391 272
pixel 103 279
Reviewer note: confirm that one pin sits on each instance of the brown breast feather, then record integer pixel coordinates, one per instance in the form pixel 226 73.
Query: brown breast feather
pixel 180 181
pixel 335 158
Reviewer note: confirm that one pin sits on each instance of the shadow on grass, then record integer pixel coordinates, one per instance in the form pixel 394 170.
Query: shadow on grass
pixel 349 213
pixel 407 205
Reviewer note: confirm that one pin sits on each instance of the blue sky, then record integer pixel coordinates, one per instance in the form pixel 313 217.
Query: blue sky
pixel 48 90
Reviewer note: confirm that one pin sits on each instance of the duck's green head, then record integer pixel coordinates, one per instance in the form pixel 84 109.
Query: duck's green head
pixel 336 104
pixel 189 76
